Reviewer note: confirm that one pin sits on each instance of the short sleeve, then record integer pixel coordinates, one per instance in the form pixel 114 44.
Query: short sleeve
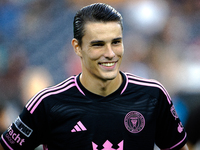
pixel 170 133
pixel 26 132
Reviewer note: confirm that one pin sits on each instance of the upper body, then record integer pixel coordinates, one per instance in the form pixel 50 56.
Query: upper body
pixel 69 117
pixel 102 108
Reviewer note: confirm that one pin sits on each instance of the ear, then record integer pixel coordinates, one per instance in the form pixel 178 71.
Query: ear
pixel 76 47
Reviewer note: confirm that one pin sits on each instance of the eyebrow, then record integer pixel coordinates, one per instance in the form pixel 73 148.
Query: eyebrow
pixel 119 38
pixel 99 41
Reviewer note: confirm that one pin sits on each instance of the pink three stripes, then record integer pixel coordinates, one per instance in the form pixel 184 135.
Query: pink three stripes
pixel 63 86
pixel 148 82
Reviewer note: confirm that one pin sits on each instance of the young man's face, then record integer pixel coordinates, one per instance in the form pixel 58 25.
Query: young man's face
pixel 102 50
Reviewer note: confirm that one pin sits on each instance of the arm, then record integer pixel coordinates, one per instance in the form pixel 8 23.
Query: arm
pixel 1 148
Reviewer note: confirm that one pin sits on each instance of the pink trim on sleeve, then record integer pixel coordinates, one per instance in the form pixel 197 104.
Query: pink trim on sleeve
pixel 179 142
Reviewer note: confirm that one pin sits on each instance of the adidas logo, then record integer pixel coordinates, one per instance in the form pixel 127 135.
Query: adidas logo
pixel 79 127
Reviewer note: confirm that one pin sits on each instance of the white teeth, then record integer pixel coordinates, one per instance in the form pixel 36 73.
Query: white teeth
pixel 108 64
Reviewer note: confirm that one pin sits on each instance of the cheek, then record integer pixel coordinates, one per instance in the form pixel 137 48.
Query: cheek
pixel 119 52
pixel 90 54
pixel 89 59
pixel 94 55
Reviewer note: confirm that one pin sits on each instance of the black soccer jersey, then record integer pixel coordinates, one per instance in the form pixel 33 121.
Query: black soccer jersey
pixel 69 117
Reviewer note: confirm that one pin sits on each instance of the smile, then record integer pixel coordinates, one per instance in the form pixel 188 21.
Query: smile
pixel 108 64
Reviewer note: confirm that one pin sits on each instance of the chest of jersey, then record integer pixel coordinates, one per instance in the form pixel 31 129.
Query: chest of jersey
pixel 119 123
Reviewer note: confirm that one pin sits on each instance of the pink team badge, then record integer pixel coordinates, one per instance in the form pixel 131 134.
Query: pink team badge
pixel 173 111
pixel 134 122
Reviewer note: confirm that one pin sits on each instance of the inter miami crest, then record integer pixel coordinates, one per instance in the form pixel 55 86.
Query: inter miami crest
pixel 134 122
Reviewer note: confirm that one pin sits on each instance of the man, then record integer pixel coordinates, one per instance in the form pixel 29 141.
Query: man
pixel 102 108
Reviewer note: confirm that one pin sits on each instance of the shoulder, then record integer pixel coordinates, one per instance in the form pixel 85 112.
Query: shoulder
pixel 150 86
pixel 49 94
pixel 134 79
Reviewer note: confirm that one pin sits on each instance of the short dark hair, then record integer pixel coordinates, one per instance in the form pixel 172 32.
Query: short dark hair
pixel 97 12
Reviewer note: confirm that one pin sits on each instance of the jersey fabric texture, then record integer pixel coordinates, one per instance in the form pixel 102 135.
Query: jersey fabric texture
pixel 69 117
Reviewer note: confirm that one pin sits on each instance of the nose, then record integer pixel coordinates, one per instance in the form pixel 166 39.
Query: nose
pixel 109 53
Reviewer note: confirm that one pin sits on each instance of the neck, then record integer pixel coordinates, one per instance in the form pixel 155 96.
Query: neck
pixel 101 87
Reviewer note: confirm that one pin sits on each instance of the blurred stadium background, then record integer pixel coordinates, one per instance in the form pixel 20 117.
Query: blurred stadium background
pixel 161 38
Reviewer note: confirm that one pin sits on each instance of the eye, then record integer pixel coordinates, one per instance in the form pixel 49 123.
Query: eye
pixel 97 44
pixel 116 42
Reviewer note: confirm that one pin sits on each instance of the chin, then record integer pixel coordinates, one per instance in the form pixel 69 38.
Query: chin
pixel 109 76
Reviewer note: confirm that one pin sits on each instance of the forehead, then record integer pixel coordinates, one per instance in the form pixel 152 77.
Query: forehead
pixel 98 30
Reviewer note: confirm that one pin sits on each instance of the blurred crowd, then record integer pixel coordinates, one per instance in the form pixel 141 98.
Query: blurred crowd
pixel 161 39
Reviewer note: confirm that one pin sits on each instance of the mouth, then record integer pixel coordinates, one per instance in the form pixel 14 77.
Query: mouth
pixel 108 65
